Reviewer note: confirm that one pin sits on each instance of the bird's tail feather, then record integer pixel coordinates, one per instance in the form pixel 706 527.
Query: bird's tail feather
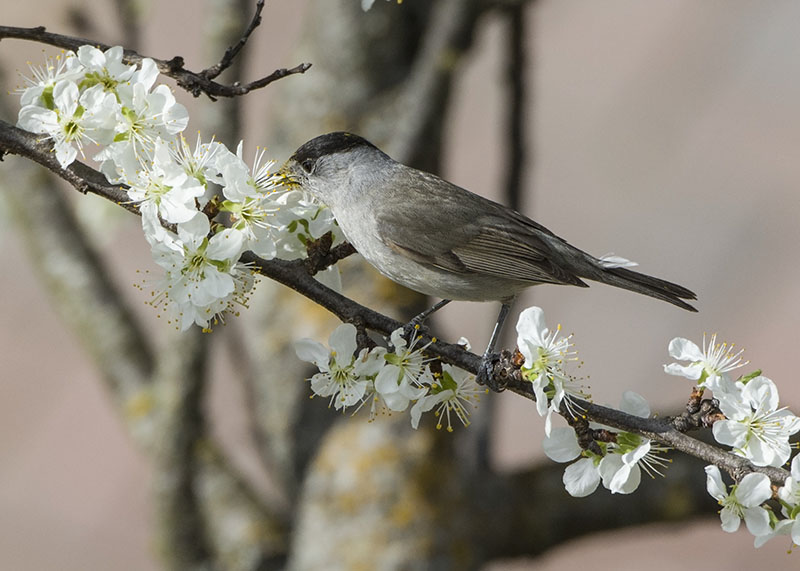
pixel 647 285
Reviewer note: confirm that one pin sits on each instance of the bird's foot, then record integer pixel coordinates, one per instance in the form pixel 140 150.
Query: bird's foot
pixel 486 375
pixel 416 326
pixel 414 329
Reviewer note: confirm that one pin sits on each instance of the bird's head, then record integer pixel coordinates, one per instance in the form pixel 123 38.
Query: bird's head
pixel 334 167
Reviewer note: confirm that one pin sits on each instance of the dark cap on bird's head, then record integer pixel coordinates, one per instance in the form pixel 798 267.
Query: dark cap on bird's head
pixel 328 144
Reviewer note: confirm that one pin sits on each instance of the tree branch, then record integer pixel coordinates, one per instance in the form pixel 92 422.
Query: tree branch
pixel 195 83
pixel 231 53
pixel 295 275
pixel 85 179
pixel 181 374
pixel 426 90
pixel 516 117
pixel 526 513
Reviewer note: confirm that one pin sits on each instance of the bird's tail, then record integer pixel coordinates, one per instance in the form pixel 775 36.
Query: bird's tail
pixel 647 285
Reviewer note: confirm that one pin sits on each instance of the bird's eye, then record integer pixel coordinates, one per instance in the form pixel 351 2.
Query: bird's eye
pixel 308 165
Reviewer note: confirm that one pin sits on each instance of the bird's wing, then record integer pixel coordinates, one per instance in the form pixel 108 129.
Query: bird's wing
pixel 466 233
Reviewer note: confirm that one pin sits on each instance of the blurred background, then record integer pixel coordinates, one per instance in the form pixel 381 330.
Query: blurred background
pixel 666 132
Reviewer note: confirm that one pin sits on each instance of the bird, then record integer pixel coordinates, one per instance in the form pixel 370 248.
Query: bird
pixel 442 240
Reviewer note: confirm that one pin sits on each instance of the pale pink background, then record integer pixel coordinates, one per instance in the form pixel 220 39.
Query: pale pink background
pixel 665 131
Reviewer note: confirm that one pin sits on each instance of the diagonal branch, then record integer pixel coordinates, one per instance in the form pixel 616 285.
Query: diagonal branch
pixel 193 82
pixel 294 274
pixel 16 141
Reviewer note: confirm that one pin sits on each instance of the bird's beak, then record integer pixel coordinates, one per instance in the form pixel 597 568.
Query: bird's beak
pixel 286 174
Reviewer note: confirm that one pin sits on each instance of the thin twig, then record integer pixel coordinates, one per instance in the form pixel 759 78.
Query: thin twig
pixel 213 71
pixel 194 83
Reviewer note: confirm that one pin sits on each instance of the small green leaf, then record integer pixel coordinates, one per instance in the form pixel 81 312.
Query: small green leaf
pixel 749 377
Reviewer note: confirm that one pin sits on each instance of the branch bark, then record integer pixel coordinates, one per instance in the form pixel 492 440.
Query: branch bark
pixel 294 275
pixel 183 536
pixel 196 83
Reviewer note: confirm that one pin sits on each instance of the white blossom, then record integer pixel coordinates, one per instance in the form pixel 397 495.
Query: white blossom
pixel 755 427
pixel 147 117
pixel 344 376
pixel 545 356
pixel 199 163
pixel 708 366
pixel 203 277
pixel 104 68
pixel 162 188
pixel 399 381
pixel 74 120
pixel 454 391
pixel 621 467
pixel 38 90
pixel 742 502
pixel 252 199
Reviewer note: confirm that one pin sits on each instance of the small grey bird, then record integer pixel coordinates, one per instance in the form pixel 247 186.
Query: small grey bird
pixel 442 240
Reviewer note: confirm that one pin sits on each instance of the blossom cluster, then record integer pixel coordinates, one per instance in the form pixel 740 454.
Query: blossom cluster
pixel 620 463
pixel 202 205
pixel 755 427
pixel 387 380
pixel 752 423
pixel 746 501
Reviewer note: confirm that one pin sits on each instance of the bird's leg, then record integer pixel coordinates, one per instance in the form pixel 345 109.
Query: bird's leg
pixel 410 328
pixel 486 372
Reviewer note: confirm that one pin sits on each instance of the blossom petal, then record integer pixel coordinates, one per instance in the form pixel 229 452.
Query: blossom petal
pixel 225 245
pixel 761 392
pixel 343 340
pixel 692 372
pixel 387 380
pixel 312 352
pixel 730 521
pixel 730 433
pixel 716 488
pixel 757 521
pixel 562 445
pixel 530 330
pixel 581 478
pixel 753 490
pixel 685 350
